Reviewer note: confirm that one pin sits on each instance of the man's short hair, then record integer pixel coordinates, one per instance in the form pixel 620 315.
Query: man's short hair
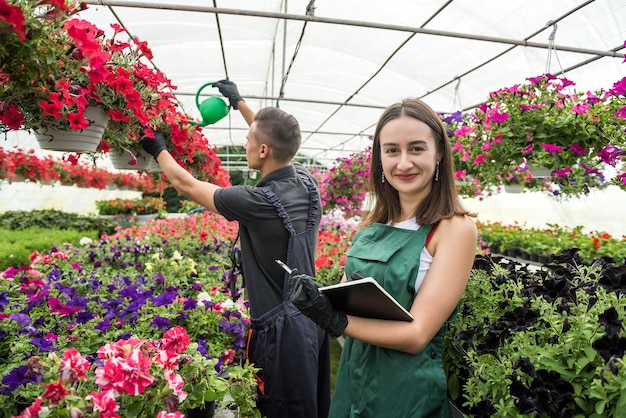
pixel 280 131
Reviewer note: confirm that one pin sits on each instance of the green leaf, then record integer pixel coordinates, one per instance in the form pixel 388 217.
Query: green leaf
pixel 620 407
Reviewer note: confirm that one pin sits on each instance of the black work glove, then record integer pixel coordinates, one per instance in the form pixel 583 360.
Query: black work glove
pixel 153 146
pixel 314 304
pixel 229 90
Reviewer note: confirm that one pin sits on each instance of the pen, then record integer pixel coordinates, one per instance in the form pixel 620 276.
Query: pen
pixel 284 266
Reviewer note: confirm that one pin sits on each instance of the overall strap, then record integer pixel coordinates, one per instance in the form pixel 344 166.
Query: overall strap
pixel 280 209
pixel 299 243
pixel 314 201
pixel 431 233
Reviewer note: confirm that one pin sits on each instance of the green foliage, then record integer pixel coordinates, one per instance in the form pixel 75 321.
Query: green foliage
pixel 54 219
pixel 558 329
pixel 173 200
pixel 551 240
pixel 119 206
pixel 17 245
pixel 22 232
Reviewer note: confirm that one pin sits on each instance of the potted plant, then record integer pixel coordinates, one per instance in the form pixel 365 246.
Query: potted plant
pixel 119 206
pixel 540 124
pixel 551 338
pixel 344 186
pixel 56 69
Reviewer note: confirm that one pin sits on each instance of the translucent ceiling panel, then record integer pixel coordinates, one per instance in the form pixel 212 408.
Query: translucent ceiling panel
pixel 344 61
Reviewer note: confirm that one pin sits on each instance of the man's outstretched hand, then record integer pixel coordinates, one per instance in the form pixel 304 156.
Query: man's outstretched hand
pixel 154 146
pixel 229 90
pixel 305 295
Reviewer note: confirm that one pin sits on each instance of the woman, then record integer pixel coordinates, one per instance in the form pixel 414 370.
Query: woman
pixel 419 243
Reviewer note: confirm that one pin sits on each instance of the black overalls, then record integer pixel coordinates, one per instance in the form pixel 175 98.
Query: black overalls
pixel 291 350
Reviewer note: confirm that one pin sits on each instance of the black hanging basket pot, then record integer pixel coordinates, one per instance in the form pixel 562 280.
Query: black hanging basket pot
pixel 207 411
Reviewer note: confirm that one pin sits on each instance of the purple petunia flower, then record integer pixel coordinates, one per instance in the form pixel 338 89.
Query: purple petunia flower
pixel 159 279
pixel 160 322
pixel 103 326
pixel 19 376
pixel 83 317
pixel 43 344
pixel 21 319
pixel 165 299
pixel 4 298
pixel 190 304
pixel 454 117
pixel 203 347
pixel 125 336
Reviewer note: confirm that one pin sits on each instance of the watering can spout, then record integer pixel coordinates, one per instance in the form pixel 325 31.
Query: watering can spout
pixel 211 110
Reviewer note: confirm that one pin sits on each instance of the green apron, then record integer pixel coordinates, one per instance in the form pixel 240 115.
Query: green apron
pixel 378 382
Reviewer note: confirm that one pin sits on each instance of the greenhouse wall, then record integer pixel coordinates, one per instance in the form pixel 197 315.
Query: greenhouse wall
pixel 30 196
pixel 598 211
pixel 601 210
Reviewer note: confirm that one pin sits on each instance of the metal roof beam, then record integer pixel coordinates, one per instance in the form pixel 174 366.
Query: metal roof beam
pixel 345 22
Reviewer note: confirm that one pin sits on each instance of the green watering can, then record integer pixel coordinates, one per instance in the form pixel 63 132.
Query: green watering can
pixel 212 109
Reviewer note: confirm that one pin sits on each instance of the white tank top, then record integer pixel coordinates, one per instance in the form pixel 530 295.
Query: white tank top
pixel 425 258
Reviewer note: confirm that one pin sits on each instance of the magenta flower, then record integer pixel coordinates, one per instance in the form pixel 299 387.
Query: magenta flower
pixel 528 149
pixel 619 87
pixel 577 149
pixel 611 155
pixel 581 108
pixel 463 130
pixel 552 148
pixel 620 113
pixel 563 172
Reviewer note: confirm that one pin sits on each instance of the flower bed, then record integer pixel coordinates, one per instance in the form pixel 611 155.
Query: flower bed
pixel 497 238
pixel 151 284
pixel 543 343
pixel 146 281
pixel 71 172
pixel 144 206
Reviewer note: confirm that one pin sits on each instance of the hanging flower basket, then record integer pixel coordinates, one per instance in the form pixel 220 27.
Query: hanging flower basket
pixel 206 411
pixel 154 167
pixel 514 188
pixel 131 159
pixel 82 140
pixel 540 172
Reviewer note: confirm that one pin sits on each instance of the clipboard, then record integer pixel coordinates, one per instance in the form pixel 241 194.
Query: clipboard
pixel 362 297
pixel 365 298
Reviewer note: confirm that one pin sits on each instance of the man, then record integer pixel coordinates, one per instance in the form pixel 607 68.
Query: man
pixel 278 220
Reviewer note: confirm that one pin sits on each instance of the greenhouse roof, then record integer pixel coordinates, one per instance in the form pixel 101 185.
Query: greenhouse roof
pixel 336 64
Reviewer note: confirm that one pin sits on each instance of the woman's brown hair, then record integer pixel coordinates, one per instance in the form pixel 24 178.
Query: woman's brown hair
pixel 443 201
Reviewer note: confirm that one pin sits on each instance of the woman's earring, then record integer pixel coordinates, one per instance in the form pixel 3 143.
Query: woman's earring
pixel 437 172
pixel 383 178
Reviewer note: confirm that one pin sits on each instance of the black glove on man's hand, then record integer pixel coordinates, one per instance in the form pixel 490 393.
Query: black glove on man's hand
pixel 314 304
pixel 229 89
pixel 154 146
